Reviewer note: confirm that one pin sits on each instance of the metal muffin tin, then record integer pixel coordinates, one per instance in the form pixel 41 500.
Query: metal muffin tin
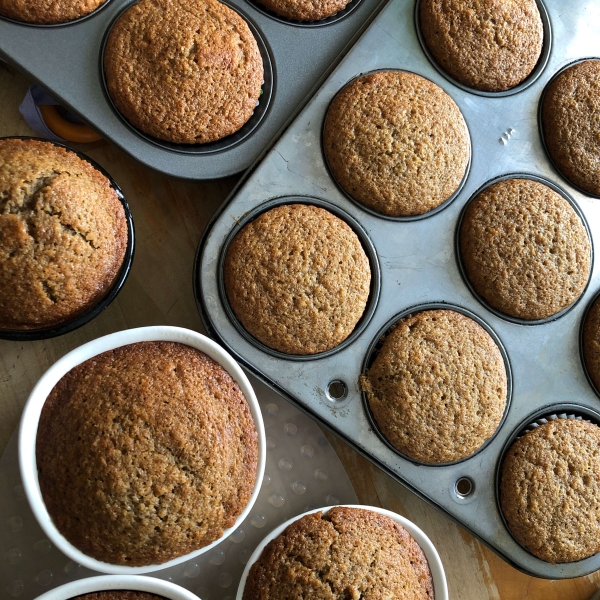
pixel 66 60
pixel 419 266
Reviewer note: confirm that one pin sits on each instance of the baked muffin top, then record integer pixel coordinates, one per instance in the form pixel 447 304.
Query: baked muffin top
pixel 591 342
pixel 345 553
pixel 146 453
pixel 119 595
pixel 298 279
pixel 438 386
pixel 47 12
pixel 570 117
pixel 489 45
pixel 524 249
pixel 305 10
pixel 63 235
pixel 550 490
pixel 396 142
pixel 183 71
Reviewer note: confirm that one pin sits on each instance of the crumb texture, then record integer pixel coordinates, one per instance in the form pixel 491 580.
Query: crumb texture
pixel 63 235
pixel 489 45
pixel 345 554
pixel 146 453
pixel 437 387
pixel 305 10
pixel 396 142
pixel 591 343
pixel 550 490
pixel 47 12
pixel 119 595
pixel 298 279
pixel 524 249
pixel 570 121
pixel 184 72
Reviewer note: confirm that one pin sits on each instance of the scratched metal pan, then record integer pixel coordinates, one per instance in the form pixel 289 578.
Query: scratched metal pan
pixel 419 266
pixel 66 60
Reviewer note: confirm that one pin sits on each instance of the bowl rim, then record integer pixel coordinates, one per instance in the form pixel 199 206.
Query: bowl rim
pixel 33 407
pixel 69 591
pixel 440 586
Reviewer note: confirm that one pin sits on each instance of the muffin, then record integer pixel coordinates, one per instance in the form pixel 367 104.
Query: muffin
pixel 63 235
pixel 488 45
pixel 570 116
pixel 524 249
pixel 48 12
pixel 396 143
pixel 550 490
pixel 119 595
pixel 305 10
pixel 298 279
pixel 181 71
pixel 438 386
pixel 146 453
pixel 591 342
pixel 345 553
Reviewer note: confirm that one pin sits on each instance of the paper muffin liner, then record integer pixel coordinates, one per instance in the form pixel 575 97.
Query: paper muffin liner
pixel 528 81
pixel 532 422
pixel 463 272
pixel 248 129
pixel 376 345
pixel 366 243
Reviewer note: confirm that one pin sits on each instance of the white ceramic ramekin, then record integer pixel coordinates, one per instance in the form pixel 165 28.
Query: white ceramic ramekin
pixel 166 589
pixel 33 408
pixel 440 587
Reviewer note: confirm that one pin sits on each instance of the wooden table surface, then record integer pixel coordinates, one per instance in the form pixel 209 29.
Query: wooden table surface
pixel 169 216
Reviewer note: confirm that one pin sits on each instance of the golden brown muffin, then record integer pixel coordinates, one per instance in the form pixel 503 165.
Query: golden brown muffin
pixel 396 142
pixel 305 10
pixel 47 12
pixel 438 386
pixel 298 279
pixel 146 453
pixel 183 71
pixel 119 595
pixel 489 45
pixel 524 249
pixel 550 490
pixel 63 235
pixel 570 117
pixel 345 553
pixel 591 342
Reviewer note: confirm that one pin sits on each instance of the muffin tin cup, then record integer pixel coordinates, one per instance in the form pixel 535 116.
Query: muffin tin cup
pixel 529 80
pixel 57 25
pixel 250 127
pixel 541 127
pixel 540 417
pixel 375 347
pixel 591 303
pixel 338 16
pixel 164 589
pixel 366 243
pixel 463 271
pixel 440 587
pixel 45 333
pixel 37 398
pixel 407 218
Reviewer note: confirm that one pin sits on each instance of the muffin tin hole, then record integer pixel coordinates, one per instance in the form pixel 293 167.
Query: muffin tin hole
pixel 533 76
pixel 337 390
pixel 462 269
pixel 366 243
pixel 56 25
pixel 584 318
pixel 464 487
pixel 267 92
pixel 320 23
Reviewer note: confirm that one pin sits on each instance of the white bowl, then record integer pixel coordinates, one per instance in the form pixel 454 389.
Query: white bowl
pixel 35 402
pixel 166 589
pixel 440 587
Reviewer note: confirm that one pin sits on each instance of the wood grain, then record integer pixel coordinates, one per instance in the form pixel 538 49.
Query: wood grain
pixel 170 215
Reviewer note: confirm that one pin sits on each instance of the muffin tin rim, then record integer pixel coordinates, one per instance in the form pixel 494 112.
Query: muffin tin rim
pixel 371 353
pixel 561 70
pixel 57 25
pixel 251 126
pixel 461 268
pixel 365 241
pixel 545 412
pixel 31 413
pixel 111 293
pixel 535 74
pixel 406 218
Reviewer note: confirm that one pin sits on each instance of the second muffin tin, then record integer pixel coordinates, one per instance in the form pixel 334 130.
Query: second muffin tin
pixel 419 266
